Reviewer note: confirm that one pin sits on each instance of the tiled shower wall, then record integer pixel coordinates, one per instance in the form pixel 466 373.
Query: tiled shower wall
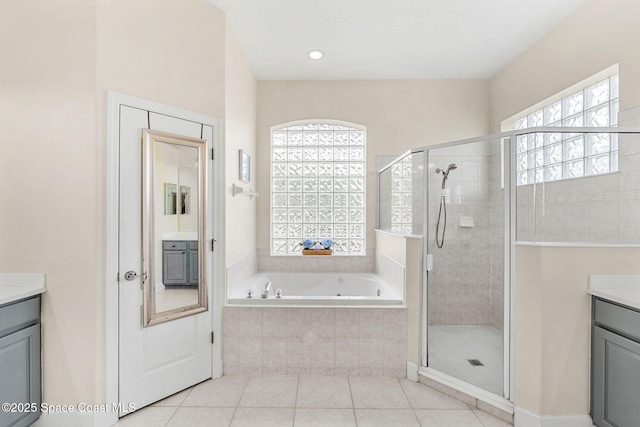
pixel 323 341
pixel 595 209
pixel 466 286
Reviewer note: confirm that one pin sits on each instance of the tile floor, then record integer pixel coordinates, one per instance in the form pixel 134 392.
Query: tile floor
pixel 168 299
pixel 450 347
pixel 318 401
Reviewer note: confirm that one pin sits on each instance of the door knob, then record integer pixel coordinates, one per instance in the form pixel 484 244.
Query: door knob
pixel 130 275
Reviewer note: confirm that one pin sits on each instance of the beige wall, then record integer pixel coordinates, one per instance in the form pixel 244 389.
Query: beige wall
pixel 600 34
pixel 60 58
pixel 399 115
pixel 50 220
pixel 552 306
pixel 240 133
pixel 552 323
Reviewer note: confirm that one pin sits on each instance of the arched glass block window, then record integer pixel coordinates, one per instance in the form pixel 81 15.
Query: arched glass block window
pixel 318 181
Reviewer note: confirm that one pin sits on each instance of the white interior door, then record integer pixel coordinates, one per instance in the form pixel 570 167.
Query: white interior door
pixel 162 359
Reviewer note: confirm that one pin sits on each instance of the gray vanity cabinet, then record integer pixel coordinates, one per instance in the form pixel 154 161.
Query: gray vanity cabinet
pixel 615 360
pixel 20 376
pixel 193 263
pixel 179 263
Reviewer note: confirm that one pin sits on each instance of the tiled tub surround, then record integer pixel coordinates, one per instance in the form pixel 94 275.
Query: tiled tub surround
pixel 314 264
pixel 241 270
pixel 391 273
pixel 318 341
pixel 240 274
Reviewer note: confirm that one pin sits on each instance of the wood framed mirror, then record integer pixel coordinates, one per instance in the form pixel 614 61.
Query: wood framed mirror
pixel 173 246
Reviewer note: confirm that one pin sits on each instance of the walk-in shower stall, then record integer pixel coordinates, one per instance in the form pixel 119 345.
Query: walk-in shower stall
pixel 472 201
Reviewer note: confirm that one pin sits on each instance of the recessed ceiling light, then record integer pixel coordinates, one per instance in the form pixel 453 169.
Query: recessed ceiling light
pixel 316 54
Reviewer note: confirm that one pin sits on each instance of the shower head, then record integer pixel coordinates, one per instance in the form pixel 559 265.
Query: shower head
pixel 445 174
pixel 451 167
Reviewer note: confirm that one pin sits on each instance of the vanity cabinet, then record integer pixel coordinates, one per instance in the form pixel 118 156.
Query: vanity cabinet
pixel 20 375
pixel 179 263
pixel 615 383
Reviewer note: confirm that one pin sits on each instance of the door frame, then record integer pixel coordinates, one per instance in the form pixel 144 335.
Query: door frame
pixel 216 296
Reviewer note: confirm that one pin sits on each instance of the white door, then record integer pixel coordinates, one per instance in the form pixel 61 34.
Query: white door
pixel 162 359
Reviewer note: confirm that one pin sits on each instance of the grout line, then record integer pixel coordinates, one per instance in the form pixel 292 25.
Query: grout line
pixel 413 410
pixel 172 415
pixel 353 406
pixel 295 402
pixel 235 411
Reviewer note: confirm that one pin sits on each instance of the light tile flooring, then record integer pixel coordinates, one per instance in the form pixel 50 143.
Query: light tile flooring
pixel 450 348
pixel 168 299
pixel 318 401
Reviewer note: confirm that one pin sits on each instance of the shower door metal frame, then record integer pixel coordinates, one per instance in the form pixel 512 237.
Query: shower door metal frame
pixel 507 141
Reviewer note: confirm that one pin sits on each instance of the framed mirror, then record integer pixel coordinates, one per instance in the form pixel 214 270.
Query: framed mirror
pixel 173 226
pixel 170 199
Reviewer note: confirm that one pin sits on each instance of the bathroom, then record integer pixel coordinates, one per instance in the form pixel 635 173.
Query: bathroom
pixel 69 172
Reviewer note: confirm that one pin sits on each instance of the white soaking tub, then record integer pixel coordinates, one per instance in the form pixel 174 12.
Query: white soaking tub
pixel 325 289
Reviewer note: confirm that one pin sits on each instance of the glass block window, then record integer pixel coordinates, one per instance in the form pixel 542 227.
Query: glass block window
pixel 551 157
pixel 318 176
pixel 402 197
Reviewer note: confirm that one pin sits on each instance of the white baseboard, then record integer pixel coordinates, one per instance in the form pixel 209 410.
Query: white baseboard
pixel 412 372
pixel 524 418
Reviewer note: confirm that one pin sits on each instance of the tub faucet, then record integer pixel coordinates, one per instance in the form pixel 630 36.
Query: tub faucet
pixel 267 287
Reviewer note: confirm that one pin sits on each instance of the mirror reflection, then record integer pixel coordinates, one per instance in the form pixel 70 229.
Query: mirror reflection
pixel 174 243
pixel 170 199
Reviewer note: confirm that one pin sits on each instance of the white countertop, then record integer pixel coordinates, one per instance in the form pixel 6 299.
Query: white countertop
pixel 621 289
pixel 14 287
pixel 181 235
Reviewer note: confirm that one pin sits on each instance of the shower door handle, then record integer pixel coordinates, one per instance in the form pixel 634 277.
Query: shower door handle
pixel 429 262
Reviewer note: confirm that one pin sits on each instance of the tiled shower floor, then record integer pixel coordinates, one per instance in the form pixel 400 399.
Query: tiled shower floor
pixel 310 400
pixel 451 347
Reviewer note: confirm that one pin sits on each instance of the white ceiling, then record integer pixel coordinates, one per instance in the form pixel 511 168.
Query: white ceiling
pixel 389 39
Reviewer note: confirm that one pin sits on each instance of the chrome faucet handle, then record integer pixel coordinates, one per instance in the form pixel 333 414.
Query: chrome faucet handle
pixel 249 292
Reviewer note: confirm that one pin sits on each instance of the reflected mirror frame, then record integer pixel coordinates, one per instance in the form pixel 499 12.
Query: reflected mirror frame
pixel 149 139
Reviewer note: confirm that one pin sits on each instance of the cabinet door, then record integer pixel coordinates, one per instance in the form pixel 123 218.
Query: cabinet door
pixel 20 375
pixel 616 380
pixel 174 268
pixel 193 266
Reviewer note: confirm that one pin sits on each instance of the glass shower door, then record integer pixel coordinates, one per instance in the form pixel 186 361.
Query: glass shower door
pixel 466 286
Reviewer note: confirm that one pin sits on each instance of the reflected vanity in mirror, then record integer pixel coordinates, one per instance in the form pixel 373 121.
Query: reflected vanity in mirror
pixel 173 247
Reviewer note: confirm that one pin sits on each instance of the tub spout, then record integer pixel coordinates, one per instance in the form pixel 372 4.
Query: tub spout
pixel 267 288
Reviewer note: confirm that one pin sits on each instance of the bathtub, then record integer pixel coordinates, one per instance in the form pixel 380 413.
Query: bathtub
pixel 316 289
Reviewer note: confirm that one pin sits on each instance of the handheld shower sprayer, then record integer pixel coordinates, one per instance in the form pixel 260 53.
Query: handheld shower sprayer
pixel 443 205
pixel 445 174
